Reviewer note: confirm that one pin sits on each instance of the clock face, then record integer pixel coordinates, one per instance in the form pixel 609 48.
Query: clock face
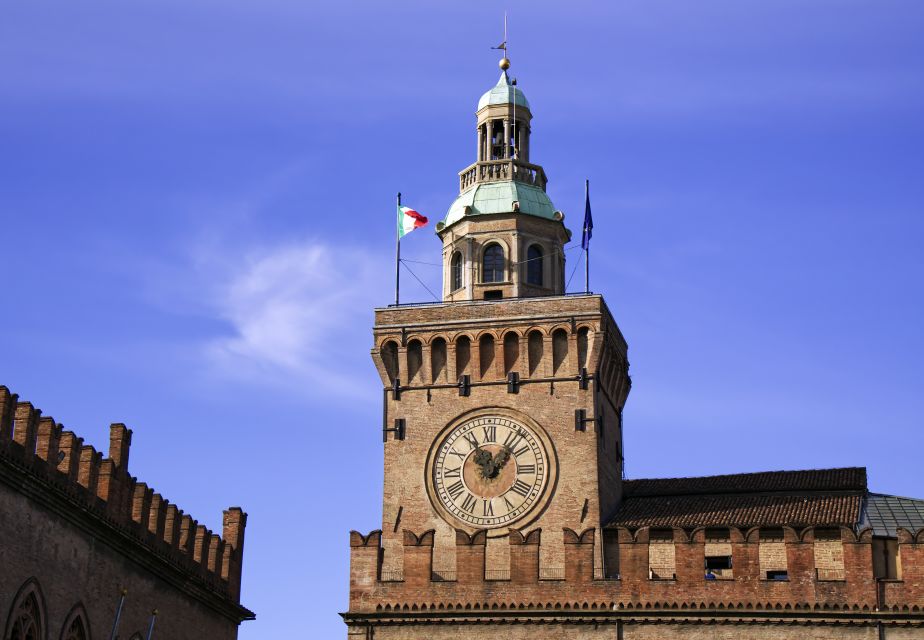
pixel 490 471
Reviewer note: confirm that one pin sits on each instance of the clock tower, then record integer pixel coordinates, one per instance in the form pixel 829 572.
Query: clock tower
pixel 502 403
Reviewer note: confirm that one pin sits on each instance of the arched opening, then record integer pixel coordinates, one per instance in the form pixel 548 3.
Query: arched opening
pixel 75 625
pixel 534 347
pixel 492 264
pixel 559 350
pixel 390 359
pixel 486 354
pixel 414 359
pixel 511 351
pixel 27 616
pixel 583 341
pixel 534 265
pixel 455 271
pixel 463 355
pixel 438 359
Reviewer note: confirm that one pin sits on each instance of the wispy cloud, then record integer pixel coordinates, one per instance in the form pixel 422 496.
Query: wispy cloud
pixel 290 310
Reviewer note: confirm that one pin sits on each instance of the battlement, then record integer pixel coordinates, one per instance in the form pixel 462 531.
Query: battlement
pixel 37 454
pixel 783 568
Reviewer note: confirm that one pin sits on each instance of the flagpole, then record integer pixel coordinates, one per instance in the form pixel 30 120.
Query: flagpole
pixel 398 257
pixel 587 248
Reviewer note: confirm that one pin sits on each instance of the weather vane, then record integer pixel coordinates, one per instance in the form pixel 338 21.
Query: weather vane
pixel 505 61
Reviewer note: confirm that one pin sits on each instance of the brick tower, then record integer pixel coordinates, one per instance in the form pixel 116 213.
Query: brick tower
pixel 502 404
pixel 504 509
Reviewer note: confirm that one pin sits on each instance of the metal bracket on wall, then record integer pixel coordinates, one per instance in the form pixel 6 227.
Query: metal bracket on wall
pixel 583 379
pixel 513 382
pixel 465 385
pixel 396 390
pixel 398 430
pixel 581 420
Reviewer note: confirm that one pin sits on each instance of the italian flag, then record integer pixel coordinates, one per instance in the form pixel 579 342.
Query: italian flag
pixel 408 220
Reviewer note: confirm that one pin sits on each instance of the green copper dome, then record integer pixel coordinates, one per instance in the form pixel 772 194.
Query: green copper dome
pixel 498 197
pixel 503 93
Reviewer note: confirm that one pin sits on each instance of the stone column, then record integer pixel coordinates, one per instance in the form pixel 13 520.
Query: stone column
pixel 506 138
pixel 524 143
pixel 516 269
pixel 468 261
pixel 489 126
pixel 480 155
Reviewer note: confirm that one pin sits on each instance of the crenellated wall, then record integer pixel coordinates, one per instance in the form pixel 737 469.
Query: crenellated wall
pixel 95 506
pixel 422 590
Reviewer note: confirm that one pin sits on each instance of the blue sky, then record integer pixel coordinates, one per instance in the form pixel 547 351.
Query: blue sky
pixel 197 214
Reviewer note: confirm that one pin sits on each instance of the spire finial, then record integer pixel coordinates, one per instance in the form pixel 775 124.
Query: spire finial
pixel 505 61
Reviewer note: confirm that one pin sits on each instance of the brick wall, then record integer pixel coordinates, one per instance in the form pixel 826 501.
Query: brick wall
pixel 80 527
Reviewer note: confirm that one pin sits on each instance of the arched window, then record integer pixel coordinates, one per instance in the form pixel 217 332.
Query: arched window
pixel 534 344
pixel 534 265
pixel 455 271
pixel 463 354
pixel 75 625
pixel 26 620
pixel 414 359
pixel 438 359
pixel 390 359
pixel 559 349
pixel 486 353
pixel 493 264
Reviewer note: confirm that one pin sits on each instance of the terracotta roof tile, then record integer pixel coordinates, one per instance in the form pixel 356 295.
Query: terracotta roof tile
pixel 845 479
pixel 796 498
pixel 739 510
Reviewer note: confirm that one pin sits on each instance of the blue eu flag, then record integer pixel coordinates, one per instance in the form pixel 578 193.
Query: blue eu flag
pixel 588 219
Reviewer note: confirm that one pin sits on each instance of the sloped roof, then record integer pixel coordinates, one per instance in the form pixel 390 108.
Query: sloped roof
pixel 817 497
pixel 886 513
pixel 498 197
pixel 843 479
pixel 504 92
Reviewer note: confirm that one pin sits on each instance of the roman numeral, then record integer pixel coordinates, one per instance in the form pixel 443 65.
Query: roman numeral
pixel 456 453
pixel 472 440
pixel 508 503
pixel 469 503
pixel 526 468
pixel 488 508
pixel 490 434
pixel 521 451
pixel 511 440
pixel 455 489
pixel 520 488
pixel 455 473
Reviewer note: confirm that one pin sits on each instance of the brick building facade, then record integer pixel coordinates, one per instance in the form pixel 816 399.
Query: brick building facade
pixel 504 504
pixel 83 542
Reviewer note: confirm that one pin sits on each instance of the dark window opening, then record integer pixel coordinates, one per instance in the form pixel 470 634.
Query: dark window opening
pixel 495 294
pixel 534 265
pixel 718 568
pixel 493 264
pixel 718 562
pixel 455 271
pixel 778 575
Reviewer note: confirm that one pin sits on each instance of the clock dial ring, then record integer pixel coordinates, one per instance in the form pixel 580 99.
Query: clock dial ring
pixel 491 469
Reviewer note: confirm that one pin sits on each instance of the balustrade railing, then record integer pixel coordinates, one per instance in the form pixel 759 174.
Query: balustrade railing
pixel 551 573
pixel 392 575
pixel 497 574
pixel 495 170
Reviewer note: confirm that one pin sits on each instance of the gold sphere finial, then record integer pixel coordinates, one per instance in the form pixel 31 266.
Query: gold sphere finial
pixel 504 63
